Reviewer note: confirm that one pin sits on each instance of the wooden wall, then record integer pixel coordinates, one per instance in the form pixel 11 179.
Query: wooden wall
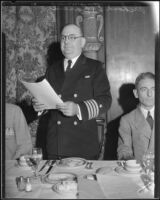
pixel 130 50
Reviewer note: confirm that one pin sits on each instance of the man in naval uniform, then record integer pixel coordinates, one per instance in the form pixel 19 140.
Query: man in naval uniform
pixel 83 86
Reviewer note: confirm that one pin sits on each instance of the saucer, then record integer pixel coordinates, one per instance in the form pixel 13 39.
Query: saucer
pixel 123 171
pixel 24 165
pixel 132 169
pixel 104 170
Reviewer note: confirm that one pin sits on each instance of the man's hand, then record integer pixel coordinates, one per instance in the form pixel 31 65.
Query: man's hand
pixel 38 107
pixel 68 108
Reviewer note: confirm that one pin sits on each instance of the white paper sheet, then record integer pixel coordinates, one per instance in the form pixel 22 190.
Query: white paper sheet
pixel 43 92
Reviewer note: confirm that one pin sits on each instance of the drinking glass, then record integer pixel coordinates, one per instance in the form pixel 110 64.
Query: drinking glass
pixel 148 162
pixel 35 159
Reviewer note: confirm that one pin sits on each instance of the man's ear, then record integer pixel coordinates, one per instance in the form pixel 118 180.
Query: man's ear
pixel 135 93
pixel 83 42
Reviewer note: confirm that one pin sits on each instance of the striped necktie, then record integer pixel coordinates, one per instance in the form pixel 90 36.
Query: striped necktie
pixel 149 119
pixel 69 65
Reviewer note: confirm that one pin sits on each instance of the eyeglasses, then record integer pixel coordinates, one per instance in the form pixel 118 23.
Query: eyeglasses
pixel 70 37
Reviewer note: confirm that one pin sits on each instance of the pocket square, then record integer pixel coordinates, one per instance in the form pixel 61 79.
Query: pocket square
pixel 87 76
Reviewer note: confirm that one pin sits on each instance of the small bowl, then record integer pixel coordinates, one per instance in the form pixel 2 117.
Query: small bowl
pixel 23 160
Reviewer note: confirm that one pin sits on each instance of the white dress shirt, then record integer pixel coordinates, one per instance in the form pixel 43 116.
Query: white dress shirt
pixel 73 62
pixel 65 67
pixel 145 112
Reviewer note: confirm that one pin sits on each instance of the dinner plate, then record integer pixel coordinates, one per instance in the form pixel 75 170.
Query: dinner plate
pixel 59 176
pixel 104 170
pixel 73 162
pixel 123 171
pixel 23 166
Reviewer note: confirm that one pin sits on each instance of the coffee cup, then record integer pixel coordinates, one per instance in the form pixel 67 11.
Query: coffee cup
pixel 132 166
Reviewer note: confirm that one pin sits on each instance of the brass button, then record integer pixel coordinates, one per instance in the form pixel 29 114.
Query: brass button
pixel 60 95
pixel 75 123
pixel 59 122
pixel 75 95
pixel 100 105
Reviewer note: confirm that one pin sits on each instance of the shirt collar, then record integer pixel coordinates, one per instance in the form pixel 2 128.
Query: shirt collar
pixel 145 112
pixel 73 62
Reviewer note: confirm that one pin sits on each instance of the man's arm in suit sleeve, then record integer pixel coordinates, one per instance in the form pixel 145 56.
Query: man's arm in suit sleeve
pixel 23 137
pixel 124 149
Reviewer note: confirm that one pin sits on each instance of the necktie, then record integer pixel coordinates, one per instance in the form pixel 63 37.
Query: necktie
pixel 150 119
pixel 69 65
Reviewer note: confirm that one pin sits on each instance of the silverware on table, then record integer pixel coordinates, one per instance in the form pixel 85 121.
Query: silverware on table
pixel 44 165
pixel 89 165
pixel 50 167
pixel 144 187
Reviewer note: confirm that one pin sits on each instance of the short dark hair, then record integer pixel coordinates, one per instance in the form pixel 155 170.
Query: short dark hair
pixel 144 75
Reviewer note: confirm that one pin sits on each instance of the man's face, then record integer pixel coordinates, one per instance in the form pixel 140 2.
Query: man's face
pixel 146 93
pixel 72 48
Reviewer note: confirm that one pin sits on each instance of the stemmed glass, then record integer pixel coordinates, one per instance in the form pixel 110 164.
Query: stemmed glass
pixel 148 162
pixel 35 159
pixel 148 175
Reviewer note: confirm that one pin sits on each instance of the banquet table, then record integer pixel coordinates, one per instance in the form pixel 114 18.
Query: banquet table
pixel 108 185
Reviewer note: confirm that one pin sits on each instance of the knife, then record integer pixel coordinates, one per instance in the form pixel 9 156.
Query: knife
pixel 49 169
pixel 44 165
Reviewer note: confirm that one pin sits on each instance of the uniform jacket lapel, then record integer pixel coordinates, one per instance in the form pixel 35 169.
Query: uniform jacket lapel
pixel 56 76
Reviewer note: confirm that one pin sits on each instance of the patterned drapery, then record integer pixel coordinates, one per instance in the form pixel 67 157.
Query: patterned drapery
pixel 29 30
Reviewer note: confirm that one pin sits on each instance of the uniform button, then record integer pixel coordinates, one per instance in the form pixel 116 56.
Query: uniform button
pixel 75 95
pixel 75 123
pixel 100 105
pixel 58 122
pixel 60 95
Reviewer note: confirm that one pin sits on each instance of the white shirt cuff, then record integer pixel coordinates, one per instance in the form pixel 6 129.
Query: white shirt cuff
pixel 79 113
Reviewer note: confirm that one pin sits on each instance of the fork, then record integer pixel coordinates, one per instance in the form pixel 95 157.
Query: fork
pixel 89 165
pixel 144 187
pixel 50 166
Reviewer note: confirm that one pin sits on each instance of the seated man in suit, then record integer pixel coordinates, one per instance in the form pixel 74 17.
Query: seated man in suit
pixel 136 131
pixel 17 136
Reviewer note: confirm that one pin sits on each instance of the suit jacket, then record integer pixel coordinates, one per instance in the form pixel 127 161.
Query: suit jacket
pixel 87 85
pixel 18 138
pixel 135 136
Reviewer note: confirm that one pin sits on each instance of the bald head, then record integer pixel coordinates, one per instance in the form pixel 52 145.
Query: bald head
pixel 74 27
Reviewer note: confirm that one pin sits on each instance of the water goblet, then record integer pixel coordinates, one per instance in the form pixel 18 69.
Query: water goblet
pixel 148 162
pixel 35 159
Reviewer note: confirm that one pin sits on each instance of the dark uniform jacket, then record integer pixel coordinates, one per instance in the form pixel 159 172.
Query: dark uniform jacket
pixel 87 85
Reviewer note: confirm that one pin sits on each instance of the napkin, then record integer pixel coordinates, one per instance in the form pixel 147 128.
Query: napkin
pixel 89 189
pixel 120 186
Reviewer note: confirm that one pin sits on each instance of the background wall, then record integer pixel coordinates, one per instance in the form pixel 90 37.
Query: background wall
pixel 127 49
pixel 29 30
pixel 130 50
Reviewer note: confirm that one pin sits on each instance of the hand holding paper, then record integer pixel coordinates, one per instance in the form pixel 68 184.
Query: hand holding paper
pixel 68 108
pixel 39 107
pixel 44 93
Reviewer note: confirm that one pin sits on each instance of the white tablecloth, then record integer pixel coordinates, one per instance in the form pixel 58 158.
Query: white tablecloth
pixel 108 185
